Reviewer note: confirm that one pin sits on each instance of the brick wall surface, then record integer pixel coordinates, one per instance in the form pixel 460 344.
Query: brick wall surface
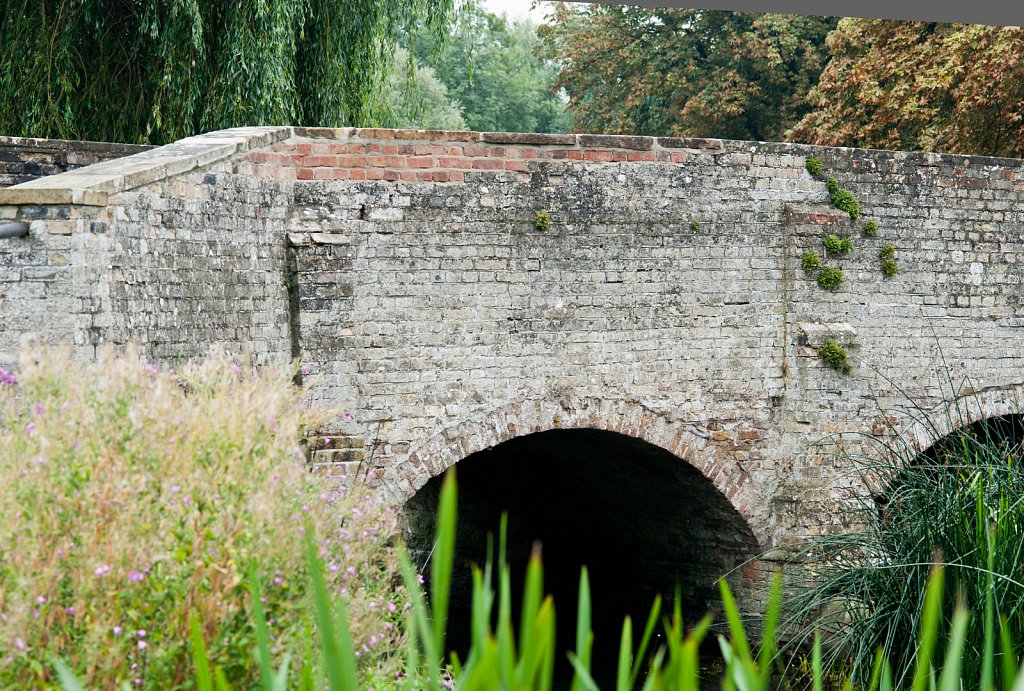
pixel 23 158
pixel 665 301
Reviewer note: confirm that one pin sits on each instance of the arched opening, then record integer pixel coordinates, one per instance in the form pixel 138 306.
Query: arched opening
pixel 642 520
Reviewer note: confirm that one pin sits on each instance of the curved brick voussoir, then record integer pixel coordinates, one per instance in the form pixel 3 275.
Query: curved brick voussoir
pixel 446 448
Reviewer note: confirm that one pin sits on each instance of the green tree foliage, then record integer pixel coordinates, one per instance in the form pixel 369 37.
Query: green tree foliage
pixel 915 85
pixel 492 67
pixel 157 70
pixel 416 98
pixel 662 71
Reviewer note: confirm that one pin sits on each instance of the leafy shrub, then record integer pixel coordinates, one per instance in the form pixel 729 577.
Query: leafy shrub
pixel 814 166
pixel 837 245
pixel 810 261
pixel 834 355
pixel 542 220
pixel 887 257
pixel 845 201
pixel 870 228
pixel 144 495
pixel 830 278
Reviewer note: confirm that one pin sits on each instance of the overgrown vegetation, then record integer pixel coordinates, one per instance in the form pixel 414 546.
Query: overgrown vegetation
pixel 136 498
pixel 815 167
pixel 542 220
pixel 871 228
pixel 960 502
pixel 830 278
pixel 843 199
pixel 837 245
pixel 810 261
pixel 835 356
pixel 887 260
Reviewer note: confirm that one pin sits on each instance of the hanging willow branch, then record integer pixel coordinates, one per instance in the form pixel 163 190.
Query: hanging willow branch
pixel 152 71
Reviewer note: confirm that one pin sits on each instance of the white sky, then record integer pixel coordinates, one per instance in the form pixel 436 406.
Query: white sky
pixel 517 9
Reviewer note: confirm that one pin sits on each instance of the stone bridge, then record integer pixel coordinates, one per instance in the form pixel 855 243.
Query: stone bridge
pixel 614 337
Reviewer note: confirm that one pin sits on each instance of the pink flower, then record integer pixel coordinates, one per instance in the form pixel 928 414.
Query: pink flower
pixel 29 427
pixel 70 611
pixel 20 643
pixel 392 608
pixel 117 630
pixel 235 368
pixel 102 570
pixel 141 633
pixel 135 576
pixel 143 645
pixel 41 600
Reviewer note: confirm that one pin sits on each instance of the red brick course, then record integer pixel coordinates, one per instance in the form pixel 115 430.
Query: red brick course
pixel 378 154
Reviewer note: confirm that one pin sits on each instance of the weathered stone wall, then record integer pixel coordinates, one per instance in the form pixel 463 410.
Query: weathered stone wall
pixel 23 159
pixel 666 300
pixel 178 263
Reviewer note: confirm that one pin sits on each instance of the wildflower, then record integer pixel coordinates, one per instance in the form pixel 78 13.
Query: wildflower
pixel 141 633
pixel 349 417
pixel 135 577
pixel 29 427
pixel 143 645
pixel 235 368
pixel 102 570
pixel 70 611
pixel 7 378
pixel 20 643
pixel 392 608
pixel 117 630
pixel 41 600
pixel 305 369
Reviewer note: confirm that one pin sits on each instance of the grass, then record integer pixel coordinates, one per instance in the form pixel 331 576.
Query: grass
pixel 141 502
pixel 519 653
pixel 958 504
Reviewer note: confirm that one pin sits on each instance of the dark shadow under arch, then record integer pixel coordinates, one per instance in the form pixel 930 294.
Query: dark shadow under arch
pixel 642 520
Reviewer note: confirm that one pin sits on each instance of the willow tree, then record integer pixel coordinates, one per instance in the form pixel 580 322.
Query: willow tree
pixel 152 71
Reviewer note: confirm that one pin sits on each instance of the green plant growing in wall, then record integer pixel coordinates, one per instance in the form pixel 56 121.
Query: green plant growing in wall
pixel 870 229
pixel 830 278
pixel 814 166
pixel 837 245
pixel 835 356
pixel 695 224
pixel 810 261
pixel 542 220
pixel 843 199
pixel 890 267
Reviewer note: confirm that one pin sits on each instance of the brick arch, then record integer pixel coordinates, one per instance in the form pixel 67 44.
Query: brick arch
pixel 952 415
pixel 463 438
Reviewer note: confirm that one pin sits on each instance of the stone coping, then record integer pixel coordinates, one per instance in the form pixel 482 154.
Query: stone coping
pixel 91 185
pixel 34 144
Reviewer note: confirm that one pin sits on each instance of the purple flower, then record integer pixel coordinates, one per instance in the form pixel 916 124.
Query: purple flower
pixel 7 378
pixel 235 368
pixel 102 570
pixel 70 611
pixel 135 576
pixel 305 369
pixel 41 599
pixel 143 645
pixel 117 630
pixel 20 643
pixel 29 427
